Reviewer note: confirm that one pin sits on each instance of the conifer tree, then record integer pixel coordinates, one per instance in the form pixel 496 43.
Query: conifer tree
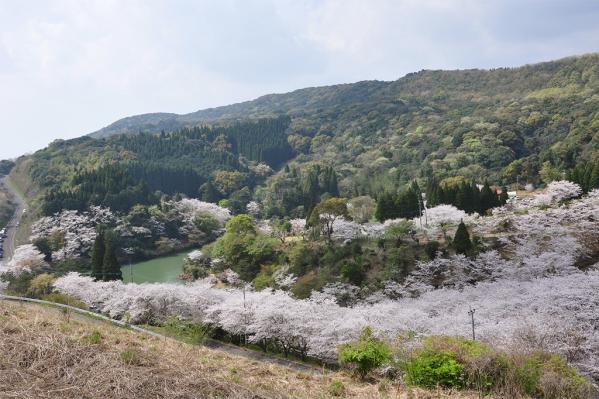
pixel 98 256
pixel 461 240
pixel 593 181
pixel 386 207
pixel 504 197
pixel 111 269
pixel 487 198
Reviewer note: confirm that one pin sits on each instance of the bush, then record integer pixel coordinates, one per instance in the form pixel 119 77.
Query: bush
pixel 41 285
pixel 263 280
pixel 192 333
pixel 18 283
pixel 367 354
pixel 306 284
pixel 456 362
pixel 430 369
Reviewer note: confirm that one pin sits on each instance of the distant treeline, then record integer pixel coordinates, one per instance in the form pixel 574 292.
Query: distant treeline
pixel 466 196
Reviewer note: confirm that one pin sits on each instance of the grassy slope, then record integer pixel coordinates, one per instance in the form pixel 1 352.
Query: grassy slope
pixel 6 206
pixel 45 355
pixel 21 183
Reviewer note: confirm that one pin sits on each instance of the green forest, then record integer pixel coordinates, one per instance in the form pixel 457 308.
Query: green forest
pixel 125 170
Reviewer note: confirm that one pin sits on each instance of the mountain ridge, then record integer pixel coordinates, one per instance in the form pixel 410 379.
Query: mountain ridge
pixel 275 104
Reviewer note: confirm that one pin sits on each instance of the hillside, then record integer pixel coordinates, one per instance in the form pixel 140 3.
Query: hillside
pixel 508 125
pixel 46 354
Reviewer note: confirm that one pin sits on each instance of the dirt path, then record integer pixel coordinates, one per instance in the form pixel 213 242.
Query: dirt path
pixel 11 228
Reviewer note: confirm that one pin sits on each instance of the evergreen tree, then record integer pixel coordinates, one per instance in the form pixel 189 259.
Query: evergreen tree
pixel 461 240
pixel 488 198
pixel 504 197
pixel 311 189
pixel 98 256
pixel 408 203
pixel 386 207
pixel 209 193
pixel 593 181
pixel 111 270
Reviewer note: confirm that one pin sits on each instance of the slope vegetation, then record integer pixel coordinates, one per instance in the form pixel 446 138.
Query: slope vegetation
pixel 45 354
pixel 502 123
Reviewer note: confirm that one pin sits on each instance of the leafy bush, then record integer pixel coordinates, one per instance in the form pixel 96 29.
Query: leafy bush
pixel 41 285
pixel 431 368
pixel 460 363
pixel 192 333
pixel 366 354
pixel 306 284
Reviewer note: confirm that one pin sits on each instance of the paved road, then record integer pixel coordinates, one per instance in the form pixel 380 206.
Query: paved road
pixel 11 229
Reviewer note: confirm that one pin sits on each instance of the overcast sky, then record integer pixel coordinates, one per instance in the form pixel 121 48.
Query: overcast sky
pixel 68 68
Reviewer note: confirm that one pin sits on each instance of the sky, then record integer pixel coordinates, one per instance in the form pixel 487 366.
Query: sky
pixel 70 67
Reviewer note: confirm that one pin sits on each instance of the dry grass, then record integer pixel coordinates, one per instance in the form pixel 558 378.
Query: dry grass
pixel 42 355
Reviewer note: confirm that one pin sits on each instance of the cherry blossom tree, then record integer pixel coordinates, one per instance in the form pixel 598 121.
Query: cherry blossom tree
pixel 26 258
pixel 191 207
pixel 558 191
pixel 529 286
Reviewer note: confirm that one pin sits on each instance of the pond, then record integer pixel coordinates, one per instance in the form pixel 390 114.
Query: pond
pixel 165 269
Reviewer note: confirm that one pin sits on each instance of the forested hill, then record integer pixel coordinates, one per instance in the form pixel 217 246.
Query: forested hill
pixel 123 170
pixel 423 87
pixel 503 124
pixel 531 124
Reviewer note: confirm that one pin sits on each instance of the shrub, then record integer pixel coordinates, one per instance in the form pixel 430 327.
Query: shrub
pixel 41 285
pixel 306 284
pixel 263 280
pixel 366 354
pixel 456 362
pixel 192 333
pixel 431 368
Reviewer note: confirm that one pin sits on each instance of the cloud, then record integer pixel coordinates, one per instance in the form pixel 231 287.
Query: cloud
pixel 69 67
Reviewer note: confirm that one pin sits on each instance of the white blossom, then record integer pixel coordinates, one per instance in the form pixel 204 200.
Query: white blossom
pixel 26 258
pixel 558 191
pixel 253 208
pixel 191 207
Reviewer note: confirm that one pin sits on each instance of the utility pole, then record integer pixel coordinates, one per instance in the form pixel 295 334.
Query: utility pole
pixel 471 313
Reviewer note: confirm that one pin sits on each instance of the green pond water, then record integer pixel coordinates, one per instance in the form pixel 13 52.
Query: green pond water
pixel 165 269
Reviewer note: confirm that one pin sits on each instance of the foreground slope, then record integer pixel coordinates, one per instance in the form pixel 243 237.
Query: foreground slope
pixel 47 355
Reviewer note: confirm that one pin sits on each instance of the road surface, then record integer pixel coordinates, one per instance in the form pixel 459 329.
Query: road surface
pixel 11 228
